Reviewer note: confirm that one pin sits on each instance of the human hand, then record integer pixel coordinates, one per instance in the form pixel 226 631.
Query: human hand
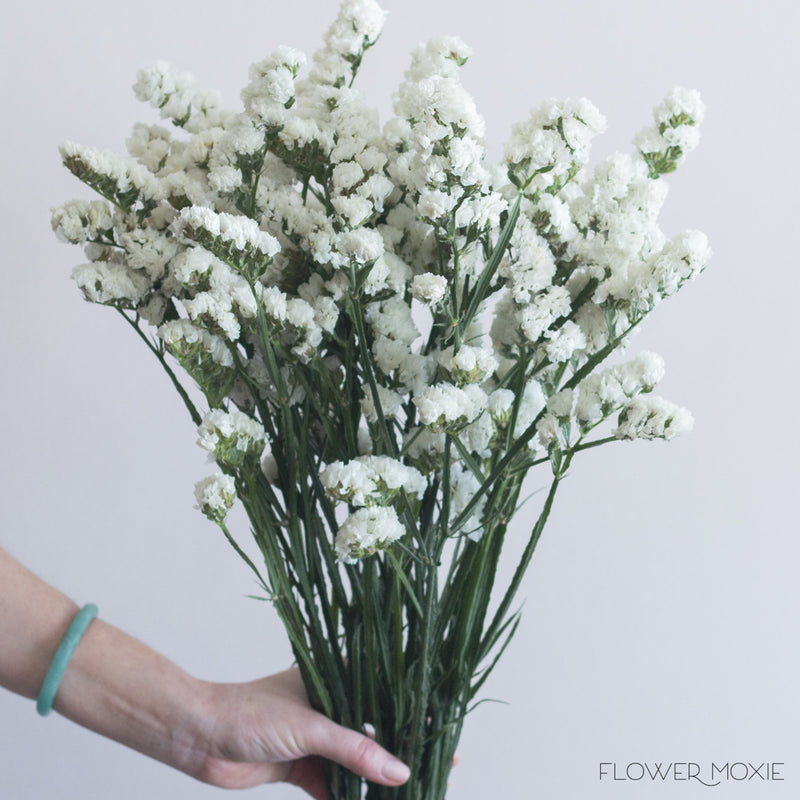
pixel 229 735
pixel 266 731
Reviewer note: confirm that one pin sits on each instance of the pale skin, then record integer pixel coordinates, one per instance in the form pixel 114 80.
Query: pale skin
pixel 230 735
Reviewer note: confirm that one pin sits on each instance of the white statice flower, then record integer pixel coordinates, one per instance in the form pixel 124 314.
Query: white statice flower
pixel 215 495
pixel 271 91
pixel 602 393
pixel 121 179
pixel 549 148
pixel 652 417
pixel 676 132
pixel 363 245
pixel 231 437
pixel 429 288
pixel 680 260
pixel 445 406
pixel 530 266
pixel 424 448
pixel 468 364
pixel 564 342
pixel 547 430
pixel 560 405
pixel 239 232
pixel 149 250
pixel 680 103
pixel 617 214
pixel 499 406
pixel 346 175
pixel 153 308
pixel 536 317
pixel 168 91
pixel 366 531
pixel 150 145
pixel 370 480
pixel 357 27
pixel 215 310
pixel 391 319
pixel 111 283
pixel 224 178
pixel 478 435
pixel 274 302
pixel 463 487
pixel 435 204
pixel 80 221
pixel 355 211
pixel 592 321
pixel 390 401
pixel 388 272
pixel 302 334
pixel 182 338
pixel 531 406
pixel 269 466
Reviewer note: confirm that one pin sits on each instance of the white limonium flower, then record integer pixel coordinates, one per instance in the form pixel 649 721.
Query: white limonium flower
pixel 547 150
pixel 605 392
pixel 80 221
pixel 231 437
pixel 429 288
pixel 370 480
pixel 166 90
pixel 536 317
pixel 271 91
pixel 185 340
pixel 121 180
pixel 445 406
pixel 366 531
pixel 653 417
pixel 676 133
pixel 215 495
pixel 111 283
pixel 560 405
pixel 463 486
pixel 468 364
pixel 236 239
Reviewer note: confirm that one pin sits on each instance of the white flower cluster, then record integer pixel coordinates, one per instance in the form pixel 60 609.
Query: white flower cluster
pixel 445 406
pixel 231 437
pixel 279 250
pixel 215 495
pixel 605 392
pixel 365 531
pixel 675 135
pixel 547 150
pixel 652 418
pixel 370 480
pixel 79 221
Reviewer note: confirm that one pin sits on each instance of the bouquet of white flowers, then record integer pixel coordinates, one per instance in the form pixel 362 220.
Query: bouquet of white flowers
pixel 388 333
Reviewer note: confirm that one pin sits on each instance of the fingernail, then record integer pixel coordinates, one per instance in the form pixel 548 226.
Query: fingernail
pixel 395 771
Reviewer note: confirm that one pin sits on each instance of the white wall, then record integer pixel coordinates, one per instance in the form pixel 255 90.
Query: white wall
pixel 660 606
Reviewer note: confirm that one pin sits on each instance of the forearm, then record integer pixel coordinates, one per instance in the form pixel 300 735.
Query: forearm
pixel 33 619
pixel 120 688
pixel 113 684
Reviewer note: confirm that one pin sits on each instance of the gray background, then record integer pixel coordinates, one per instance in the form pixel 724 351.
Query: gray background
pixel 661 608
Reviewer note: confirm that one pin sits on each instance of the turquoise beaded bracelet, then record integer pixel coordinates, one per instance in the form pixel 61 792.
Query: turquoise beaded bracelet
pixel 78 626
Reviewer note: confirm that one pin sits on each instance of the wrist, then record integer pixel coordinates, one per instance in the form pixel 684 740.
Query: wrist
pixel 120 688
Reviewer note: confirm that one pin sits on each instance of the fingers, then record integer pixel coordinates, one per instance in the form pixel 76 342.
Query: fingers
pixel 358 753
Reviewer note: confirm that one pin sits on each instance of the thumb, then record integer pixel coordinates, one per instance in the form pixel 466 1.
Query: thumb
pixel 357 752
